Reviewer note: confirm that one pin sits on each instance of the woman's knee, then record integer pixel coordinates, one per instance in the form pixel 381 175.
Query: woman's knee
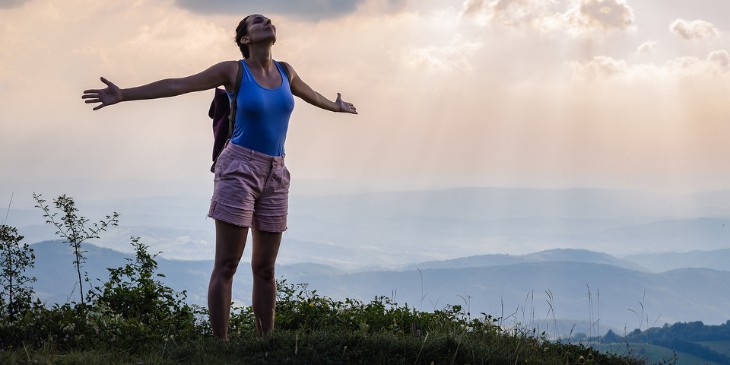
pixel 263 271
pixel 225 269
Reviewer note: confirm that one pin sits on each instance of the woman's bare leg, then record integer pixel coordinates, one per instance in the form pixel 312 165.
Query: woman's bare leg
pixel 263 260
pixel 229 243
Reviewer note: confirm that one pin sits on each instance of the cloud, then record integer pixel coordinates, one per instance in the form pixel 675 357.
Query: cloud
pixel 458 55
pixel 607 14
pixel 696 29
pixel 571 16
pixel 7 4
pixel 309 10
pixel 472 7
pixel 721 59
pixel 647 47
pixel 521 13
pixel 600 67
pixel 717 63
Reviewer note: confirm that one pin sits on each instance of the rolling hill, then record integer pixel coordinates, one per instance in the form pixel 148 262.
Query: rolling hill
pixel 533 292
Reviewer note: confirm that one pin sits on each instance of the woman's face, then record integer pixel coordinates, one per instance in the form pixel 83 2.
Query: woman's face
pixel 260 29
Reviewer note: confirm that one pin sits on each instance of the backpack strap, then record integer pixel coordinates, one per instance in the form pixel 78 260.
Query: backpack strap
pixel 284 66
pixel 232 117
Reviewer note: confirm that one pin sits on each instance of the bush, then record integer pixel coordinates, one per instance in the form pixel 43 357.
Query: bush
pixel 133 306
pixel 15 258
pixel 299 308
pixel 72 227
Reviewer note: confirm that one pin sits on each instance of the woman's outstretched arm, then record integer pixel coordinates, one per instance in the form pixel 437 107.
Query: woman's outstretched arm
pixel 300 89
pixel 223 73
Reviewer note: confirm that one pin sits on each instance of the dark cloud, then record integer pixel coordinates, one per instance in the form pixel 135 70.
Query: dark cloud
pixel 7 4
pixel 310 10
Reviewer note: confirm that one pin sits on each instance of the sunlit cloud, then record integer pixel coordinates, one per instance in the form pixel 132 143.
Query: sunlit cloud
pixel 720 59
pixel 535 14
pixel 600 67
pixel 648 47
pixel 717 63
pixel 694 30
pixel 571 16
pixel 457 55
pixel 606 14
pixel 472 7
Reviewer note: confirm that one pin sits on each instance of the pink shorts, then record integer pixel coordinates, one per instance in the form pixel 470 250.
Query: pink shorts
pixel 251 189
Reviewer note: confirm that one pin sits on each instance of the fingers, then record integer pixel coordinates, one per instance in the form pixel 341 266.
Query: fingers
pixel 345 106
pixel 95 101
pixel 350 108
pixel 94 96
pixel 97 91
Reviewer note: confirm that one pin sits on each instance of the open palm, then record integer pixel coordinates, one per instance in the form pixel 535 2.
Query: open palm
pixel 107 96
pixel 344 106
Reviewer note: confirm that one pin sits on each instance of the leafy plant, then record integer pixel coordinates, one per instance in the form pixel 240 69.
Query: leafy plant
pixel 142 307
pixel 16 257
pixel 72 227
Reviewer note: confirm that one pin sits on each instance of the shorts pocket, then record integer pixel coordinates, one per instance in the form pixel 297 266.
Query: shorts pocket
pixel 281 178
pixel 222 164
pixel 236 167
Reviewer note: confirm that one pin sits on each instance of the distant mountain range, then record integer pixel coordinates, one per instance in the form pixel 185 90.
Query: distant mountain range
pixel 555 290
pixel 385 230
pixel 717 259
pixel 556 255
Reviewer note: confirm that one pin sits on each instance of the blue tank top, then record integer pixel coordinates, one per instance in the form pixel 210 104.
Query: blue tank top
pixel 262 115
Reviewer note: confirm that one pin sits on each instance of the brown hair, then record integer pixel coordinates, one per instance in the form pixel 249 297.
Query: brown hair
pixel 242 30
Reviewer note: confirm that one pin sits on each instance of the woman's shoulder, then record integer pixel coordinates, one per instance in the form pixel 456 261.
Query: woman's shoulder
pixel 287 68
pixel 226 67
pixel 227 71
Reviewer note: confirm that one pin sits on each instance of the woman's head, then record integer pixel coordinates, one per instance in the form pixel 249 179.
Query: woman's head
pixel 255 26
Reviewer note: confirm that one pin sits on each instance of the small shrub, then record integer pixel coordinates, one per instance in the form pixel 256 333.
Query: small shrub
pixel 72 227
pixel 301 309
pixel 15 258
pixel 134 306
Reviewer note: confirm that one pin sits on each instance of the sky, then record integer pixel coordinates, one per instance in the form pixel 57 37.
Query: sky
pixel 539 93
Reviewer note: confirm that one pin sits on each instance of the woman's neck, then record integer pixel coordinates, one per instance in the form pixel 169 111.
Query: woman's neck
pixel 260 57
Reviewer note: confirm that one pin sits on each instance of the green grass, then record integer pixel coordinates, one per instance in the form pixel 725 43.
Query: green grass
pixel 326 347
pixel 132 325
pixel 311 329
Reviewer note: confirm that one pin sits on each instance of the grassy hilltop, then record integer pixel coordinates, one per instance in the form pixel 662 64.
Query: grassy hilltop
pixel 144 329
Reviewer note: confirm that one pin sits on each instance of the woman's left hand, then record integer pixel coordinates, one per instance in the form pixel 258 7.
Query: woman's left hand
pixel 343 106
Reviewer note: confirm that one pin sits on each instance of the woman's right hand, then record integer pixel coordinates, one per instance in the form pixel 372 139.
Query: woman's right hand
pixel 107 96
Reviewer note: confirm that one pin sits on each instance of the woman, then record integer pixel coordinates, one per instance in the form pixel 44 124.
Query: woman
pixel 251 182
